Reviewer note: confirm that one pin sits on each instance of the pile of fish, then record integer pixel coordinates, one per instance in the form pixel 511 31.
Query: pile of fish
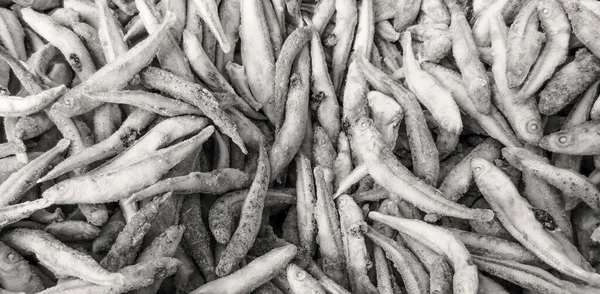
pixel 289 146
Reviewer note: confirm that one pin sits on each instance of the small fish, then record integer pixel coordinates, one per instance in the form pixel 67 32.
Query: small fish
pixel 582 139
pixel 16 274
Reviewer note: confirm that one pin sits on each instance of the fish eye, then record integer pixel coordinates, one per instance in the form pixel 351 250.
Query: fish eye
pixel 520 70
pixel 533 126
pixel 343 201
pixel 12 257
pixel 364 123
pixel 477 167
pixel 60 187
pixel 483 82
pixel 300 275
pixel 445 122
pixel 68 102
pixel 564 140
pixel 545 11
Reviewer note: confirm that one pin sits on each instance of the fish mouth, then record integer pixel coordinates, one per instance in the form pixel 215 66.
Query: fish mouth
pixel 7 271
pixel 544 143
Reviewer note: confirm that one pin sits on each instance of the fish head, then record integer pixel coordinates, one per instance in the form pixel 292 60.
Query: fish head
pixel 530 129
pixel 534 127
pixel 362 124
pixel 550 9
pixel 364 133
pixel 480 167
pixel 68 106
pixel 301 281
pixel 60 193
pixel 343 200
pixel 451 123
pixel 10 260
pixel 516 74
pixel 560 141
pixel 295 273
pixel 466 280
